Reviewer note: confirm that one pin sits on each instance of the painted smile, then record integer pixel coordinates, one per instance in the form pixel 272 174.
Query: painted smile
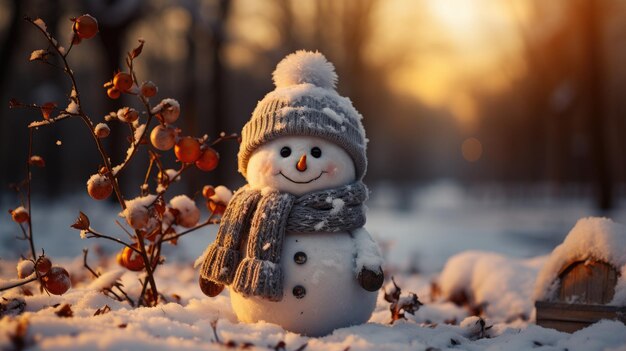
pixel 306 182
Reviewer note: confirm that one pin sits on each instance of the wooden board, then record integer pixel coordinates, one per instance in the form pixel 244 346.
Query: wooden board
pixel 587 282
pixel 571 317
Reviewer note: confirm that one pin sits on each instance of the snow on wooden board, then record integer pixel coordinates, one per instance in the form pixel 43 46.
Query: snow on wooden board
pixel 187 323
pixel 590 239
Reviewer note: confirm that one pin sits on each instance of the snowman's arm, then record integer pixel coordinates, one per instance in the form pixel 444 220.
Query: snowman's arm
pixel 368 254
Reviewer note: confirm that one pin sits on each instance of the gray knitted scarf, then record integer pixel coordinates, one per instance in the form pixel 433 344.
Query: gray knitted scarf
pixel 257 220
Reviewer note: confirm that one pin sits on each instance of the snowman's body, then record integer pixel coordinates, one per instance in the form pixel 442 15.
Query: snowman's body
pixel 320 288
pixel 306 140
pixel 320 291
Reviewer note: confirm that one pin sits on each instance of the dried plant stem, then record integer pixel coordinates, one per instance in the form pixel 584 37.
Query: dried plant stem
pixel 148 267
pixel 209 221
pixel 116 284
pixel 28 197
pixel 95 234
pixel 19 283
pixel 88 123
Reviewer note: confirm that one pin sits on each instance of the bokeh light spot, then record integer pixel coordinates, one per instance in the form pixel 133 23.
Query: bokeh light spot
pixel 472 149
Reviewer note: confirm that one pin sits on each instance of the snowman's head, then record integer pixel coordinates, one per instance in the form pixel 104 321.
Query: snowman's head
pixel 293 123
pixel 299 165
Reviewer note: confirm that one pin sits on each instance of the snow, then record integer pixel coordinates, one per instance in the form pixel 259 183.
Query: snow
pixel 501 285
pixel 419 229
pixel 72 107
pixel 188 212
pixel 591 238
pixel 169 109
pixel 20 210
pixel 305 67
pixel 339 118
pixel 337 204
pixel 136 212
pixel 187 325
pixel 38 55
pixel 41 24
pixel 368 252
pixel 139 133
pixel 106 280
pixel 222 195
pixel 97 180
pixel 102 130
pixel 25 268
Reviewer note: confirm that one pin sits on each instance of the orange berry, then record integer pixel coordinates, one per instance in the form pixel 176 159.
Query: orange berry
pixel 113 93
pixel 187 149
pixel 99 187
pixel 163 137
pixel 149 89
pixel 132 260
pixel 216 208
pixel 20 215
pixel 208 160
pixel 85 27
pixel 122 81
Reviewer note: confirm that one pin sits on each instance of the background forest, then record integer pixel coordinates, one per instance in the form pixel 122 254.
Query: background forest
pixel 511 99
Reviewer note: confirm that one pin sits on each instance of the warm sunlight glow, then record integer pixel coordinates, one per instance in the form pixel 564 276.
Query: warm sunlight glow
pixel 460 17
pixel 472 149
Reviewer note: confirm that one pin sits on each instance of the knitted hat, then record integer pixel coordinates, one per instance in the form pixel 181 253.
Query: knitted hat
pixel 305 103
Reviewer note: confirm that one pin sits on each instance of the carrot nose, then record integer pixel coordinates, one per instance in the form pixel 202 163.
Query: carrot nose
pixel 301 165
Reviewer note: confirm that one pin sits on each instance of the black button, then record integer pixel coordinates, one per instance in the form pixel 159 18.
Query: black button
pixel 299 291
pixel 299 257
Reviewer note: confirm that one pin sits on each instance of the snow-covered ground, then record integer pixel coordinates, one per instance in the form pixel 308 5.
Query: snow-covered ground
pixel 438 235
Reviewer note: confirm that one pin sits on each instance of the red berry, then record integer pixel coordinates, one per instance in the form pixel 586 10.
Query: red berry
pixel 149 89
pixel 20 215
pixel 208 191
pixel 57 281
pixel 43 265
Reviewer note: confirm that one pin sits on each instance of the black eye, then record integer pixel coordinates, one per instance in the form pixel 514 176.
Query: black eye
pixel 316 152
pixel 285 151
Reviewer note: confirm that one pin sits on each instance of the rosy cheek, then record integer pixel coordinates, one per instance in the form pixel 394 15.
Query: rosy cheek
pixel 266 169
pixel 331 168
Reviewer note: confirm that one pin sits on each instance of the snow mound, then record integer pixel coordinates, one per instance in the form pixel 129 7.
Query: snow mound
pixel 106 280
pixel 591 238
pixel 305 67
pixel 501 285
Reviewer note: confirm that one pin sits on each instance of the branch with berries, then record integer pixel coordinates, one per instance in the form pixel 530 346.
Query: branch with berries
pixel 150 221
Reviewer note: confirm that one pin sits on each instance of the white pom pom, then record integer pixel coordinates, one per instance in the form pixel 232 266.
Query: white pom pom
pixel 305 67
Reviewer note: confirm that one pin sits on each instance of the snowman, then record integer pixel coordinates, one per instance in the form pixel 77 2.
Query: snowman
pixel 291 244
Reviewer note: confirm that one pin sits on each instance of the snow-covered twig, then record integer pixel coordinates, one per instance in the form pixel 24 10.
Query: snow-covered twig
pixel 399 305
pixel 17 282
